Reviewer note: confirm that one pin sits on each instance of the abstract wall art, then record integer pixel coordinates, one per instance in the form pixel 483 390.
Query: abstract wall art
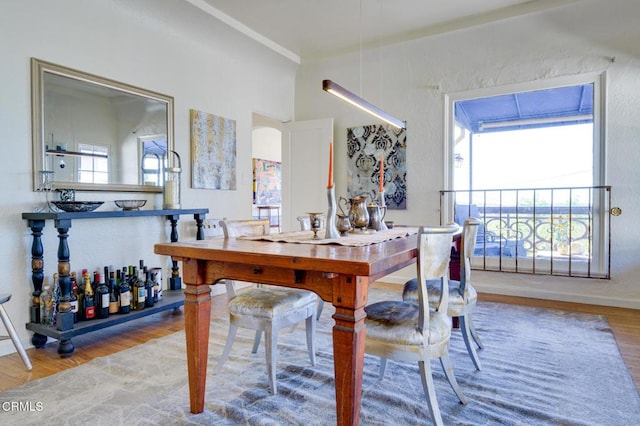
pixel 213 151
pixel 267 182
pixel 366 145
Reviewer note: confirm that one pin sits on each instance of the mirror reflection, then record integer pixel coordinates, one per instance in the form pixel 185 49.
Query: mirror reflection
pixel 98 134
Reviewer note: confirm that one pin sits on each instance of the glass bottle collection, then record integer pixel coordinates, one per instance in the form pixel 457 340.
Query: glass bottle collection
pixel 110 292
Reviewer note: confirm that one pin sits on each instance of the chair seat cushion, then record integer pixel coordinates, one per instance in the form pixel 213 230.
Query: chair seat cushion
pixel 270 302
pixel 396 322
pixel 457 303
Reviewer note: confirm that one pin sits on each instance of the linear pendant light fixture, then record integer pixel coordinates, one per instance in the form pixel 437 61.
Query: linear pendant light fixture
pixel 339 91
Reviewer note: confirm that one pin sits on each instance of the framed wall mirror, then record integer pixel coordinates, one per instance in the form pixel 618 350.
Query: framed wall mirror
pixel 94 134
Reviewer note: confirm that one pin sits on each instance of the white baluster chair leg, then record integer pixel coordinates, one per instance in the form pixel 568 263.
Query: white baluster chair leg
pixel 383 368
pixel 271 340
pixel 311 343
pixel 14 337
pixel 256 341
pixel 320 306
pixel 430 392
pixel 227 347
pixel 466 336
pixel 445 362
pixel 474 334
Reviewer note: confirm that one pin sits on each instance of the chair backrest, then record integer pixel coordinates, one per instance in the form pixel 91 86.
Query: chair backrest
pixel 241 228
pixel 469 236
pixel 434 253
pixel 463 211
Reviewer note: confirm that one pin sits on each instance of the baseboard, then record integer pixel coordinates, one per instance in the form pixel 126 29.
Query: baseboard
pixel 521 285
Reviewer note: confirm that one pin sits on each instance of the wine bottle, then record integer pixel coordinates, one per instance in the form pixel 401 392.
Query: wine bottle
pixel 124 299
pixel 113 293
pixel 55 299
pixel 73 296
pixel 156 287
pixel 139 291
pixel 148 286
pixel 46 305
pixel 102 297
pixel 81 296
pixel 95 282
pixel 132 276
pixel 88 305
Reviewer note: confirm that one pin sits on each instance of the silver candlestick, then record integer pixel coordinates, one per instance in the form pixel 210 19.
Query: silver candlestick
pixel 331 231
pixel 383 207
pixel 45 184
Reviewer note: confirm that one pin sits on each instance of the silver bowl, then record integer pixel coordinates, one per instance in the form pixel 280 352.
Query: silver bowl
pixel 78 206
pixel 130 204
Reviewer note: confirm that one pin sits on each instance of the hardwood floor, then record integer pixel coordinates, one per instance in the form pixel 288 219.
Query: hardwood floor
pixel 625 324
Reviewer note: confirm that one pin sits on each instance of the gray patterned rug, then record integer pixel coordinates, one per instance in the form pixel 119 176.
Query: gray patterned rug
pixel 540 367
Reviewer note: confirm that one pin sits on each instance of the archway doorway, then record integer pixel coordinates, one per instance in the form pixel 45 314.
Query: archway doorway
pixel 266 154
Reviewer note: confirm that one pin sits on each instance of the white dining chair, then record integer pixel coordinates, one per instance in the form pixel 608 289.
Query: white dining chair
pixel 266 308
pixel 413 332
pixel 462 295
pixel 12 331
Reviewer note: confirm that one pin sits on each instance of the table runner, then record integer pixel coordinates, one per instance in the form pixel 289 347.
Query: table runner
pixel 354 239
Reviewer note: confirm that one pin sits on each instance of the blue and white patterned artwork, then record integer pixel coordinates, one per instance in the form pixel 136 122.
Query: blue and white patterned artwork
pixel 365 146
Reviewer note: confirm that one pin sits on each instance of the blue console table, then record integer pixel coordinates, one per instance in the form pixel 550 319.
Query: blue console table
pixel 65 328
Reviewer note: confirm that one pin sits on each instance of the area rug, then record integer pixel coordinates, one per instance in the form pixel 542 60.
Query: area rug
pixel 540 367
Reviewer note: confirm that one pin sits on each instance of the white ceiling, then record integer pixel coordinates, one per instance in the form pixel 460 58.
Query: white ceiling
pixel 307 29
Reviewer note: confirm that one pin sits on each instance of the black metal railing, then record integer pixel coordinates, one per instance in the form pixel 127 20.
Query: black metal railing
pixel 553 231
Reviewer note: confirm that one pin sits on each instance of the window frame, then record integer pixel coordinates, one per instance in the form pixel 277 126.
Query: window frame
pixel 599 167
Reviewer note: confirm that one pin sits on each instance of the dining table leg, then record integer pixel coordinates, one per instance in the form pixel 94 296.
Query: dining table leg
pixel 349 332
pixel 197 315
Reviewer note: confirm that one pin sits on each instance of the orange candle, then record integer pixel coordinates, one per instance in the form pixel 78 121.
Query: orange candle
pixel 381 188
pixel 330 183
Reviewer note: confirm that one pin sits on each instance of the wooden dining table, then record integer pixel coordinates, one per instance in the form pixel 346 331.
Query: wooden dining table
pixel 339 274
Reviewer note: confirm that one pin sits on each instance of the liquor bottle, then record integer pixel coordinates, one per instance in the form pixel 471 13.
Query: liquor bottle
pixel 113 299
pixel 46 310
pixel 114 306
pixel 55 299
pixel 132 276
pixel 124 299
pixel 102 297
pixel 73 296
pixel 96 282
pixel 88 306
pixel 80 284
pixel 156 287
pixel 106 275
pixel 139 292
pixel 148 286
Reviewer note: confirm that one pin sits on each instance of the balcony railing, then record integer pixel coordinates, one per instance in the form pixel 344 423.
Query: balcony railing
pixel 550 231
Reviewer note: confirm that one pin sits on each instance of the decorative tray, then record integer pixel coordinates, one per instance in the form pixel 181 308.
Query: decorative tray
pixel 77 206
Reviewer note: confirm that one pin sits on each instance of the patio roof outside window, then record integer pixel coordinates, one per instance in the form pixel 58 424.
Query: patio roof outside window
pixel 525 110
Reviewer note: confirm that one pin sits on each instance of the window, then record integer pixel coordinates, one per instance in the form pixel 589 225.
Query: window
pixel 93 167
pixel 153 149
pixel 529 159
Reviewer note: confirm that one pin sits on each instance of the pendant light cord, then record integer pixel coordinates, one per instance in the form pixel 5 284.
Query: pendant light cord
pixel 381 63
pixel 360 29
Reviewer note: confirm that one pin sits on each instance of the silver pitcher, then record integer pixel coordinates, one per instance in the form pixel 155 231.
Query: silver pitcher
pixel 343 224
pixel 376 216
pixel 358 214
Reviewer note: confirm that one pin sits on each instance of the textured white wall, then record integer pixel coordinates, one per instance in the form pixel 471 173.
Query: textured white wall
pixel 415 76
pixel 161 45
